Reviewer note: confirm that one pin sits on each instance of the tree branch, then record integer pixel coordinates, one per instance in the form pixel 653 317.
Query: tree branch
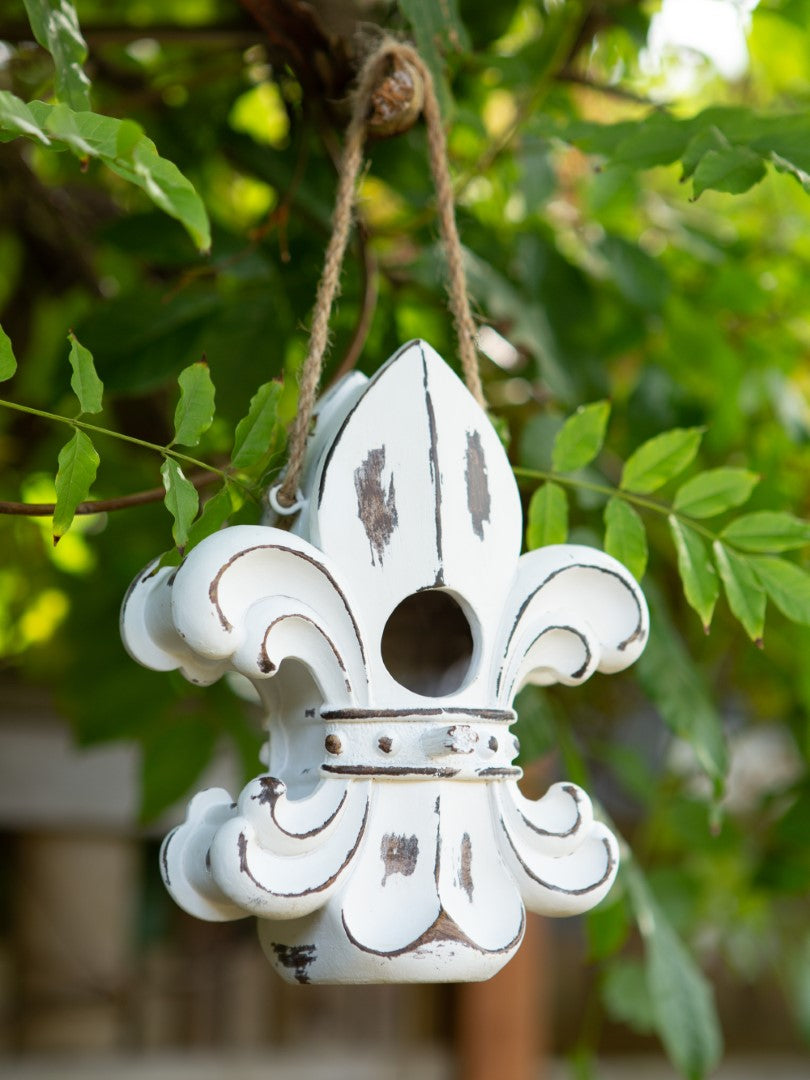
pixel 295 33
pixel 102 506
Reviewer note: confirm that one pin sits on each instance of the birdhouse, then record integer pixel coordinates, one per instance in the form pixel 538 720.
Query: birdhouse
pixel 387 635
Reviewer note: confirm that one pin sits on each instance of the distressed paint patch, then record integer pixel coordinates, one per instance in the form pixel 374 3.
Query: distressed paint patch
pixel 479 503
pixel 164 857
pixel 435 473
pixel 271 790
pixel 376 508
pixel 297 958
pixel 465 867
pixel 399 855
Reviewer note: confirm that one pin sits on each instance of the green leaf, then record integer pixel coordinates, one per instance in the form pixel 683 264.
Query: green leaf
pixel 674 685
pixel 167 188
pixel 682 1001
pixel 17 119
pixel 8 362
pixel 767 530
pixel 215 513
pixel 195 409
pixel 181 499
pixel 595 138
pixel 701 585
pixel 658 139
pixel 580 438
pixel 85 133
pixel 734 169
pixel 710 138
pixel 715 491
pixel 743 590
pixel 122 146
pixel 62 125
pixel 786 584
pixel 660 459
pixel 548 517
pixel 607 927
pixel 625 536
pixel 436 28
pixel 784 139
pixel 782 165
pixel 84 381
pixel 626 996
pixel 56 28
pixel 254 432
pixel 78 465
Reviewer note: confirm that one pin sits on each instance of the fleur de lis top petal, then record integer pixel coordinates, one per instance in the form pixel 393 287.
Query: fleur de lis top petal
pixel 387 635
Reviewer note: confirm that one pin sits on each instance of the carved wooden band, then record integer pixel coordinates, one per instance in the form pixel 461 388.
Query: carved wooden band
pixel 412 744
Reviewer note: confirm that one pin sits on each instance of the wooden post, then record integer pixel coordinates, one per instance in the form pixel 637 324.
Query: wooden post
pixel 502 1029
pixel 74 897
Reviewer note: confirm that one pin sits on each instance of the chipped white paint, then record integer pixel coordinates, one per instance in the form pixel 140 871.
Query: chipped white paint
pixel 388 840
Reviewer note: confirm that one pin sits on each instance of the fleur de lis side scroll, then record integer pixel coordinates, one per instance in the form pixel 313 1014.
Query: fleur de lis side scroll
pixel 388 840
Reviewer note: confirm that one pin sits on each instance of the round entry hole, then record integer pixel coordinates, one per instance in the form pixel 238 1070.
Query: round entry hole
pixel 427 644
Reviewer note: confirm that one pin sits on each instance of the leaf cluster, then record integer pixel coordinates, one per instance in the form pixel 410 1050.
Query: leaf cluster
pixel 742 553
pixel 257 441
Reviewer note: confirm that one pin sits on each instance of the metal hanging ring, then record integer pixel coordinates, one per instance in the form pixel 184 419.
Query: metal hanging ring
pixel 279 507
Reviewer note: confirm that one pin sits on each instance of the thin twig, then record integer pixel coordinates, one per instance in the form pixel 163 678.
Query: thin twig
pixel 606 88
pixel 102 506
pixel 164 451
pixel 536 476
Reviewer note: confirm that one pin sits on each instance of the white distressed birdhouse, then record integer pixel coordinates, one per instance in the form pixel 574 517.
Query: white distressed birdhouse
pixel 387 636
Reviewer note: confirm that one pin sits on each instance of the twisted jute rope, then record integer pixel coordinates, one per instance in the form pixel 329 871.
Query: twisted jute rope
pixel 329 286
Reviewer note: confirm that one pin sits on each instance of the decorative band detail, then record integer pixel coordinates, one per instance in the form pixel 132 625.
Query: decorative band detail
pixel 503 716
pixel 404 745
pixel 407 772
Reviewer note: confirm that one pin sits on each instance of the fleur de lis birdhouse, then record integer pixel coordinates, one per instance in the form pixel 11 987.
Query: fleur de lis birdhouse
pixel 387 636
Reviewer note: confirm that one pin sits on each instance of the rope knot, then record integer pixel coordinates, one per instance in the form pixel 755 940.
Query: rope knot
pixel 397 101
pixel 405 79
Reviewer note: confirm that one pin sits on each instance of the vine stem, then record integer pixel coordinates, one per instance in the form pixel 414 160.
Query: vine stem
pixel 102 506
pixel 611 492
pixel 164 451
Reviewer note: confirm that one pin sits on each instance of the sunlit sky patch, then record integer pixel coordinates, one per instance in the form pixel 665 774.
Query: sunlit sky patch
pixel 695 31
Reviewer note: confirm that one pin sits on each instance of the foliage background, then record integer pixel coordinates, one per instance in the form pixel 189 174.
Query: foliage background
pixel 590 254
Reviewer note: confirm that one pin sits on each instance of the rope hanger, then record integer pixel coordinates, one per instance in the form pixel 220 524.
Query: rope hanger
pixel 286 496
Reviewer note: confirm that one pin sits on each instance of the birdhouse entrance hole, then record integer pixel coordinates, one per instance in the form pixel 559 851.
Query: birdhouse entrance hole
pixel 427 643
